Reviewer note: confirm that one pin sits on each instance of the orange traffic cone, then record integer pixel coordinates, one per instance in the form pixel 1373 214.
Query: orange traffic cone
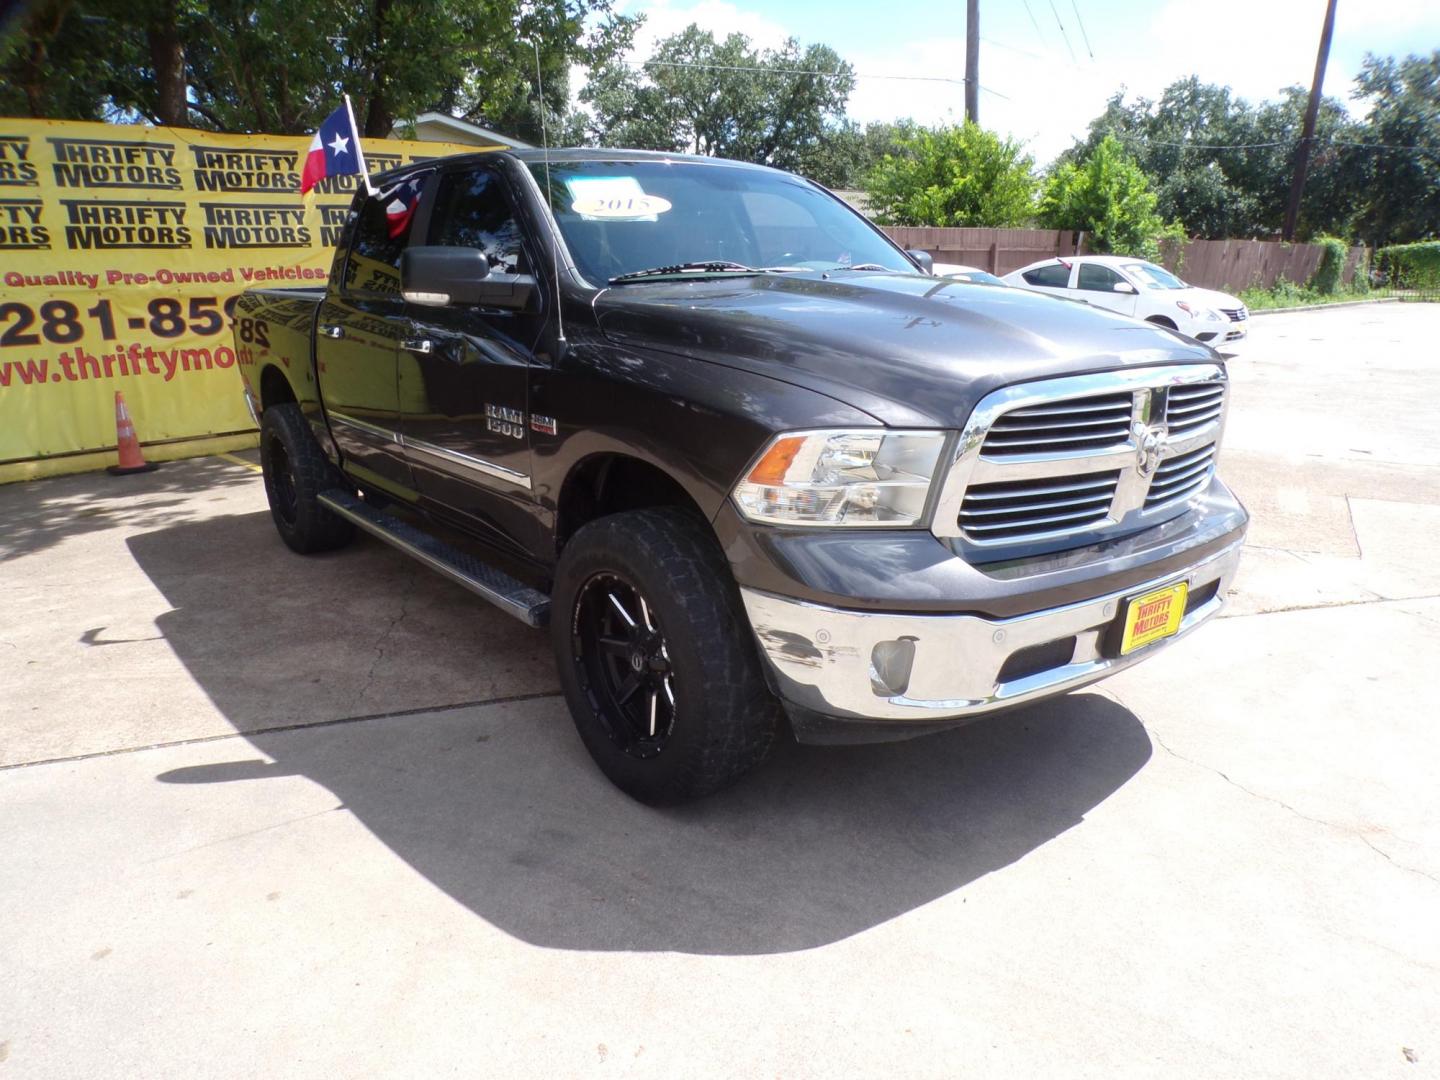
pixel 131 459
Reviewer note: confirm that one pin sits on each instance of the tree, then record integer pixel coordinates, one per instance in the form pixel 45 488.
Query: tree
pixel 958 175
pixel 1222 166
pixel 1401 185
pixel 281 65
pixel 1108 196
pixel 724 98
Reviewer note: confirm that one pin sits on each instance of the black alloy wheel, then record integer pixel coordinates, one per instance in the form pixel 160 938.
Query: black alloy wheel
pixel 623 664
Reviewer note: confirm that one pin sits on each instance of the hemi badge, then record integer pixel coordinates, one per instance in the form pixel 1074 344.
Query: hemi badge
pixel 546 425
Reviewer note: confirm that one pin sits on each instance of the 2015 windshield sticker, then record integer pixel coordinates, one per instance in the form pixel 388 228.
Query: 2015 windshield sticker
pixel 614 198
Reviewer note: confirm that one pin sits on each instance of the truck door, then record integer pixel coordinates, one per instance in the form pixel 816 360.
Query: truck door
pixel 464 371
pixel 357 338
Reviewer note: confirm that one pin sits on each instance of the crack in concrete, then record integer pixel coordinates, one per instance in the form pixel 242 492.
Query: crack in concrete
pixel 303 725
pixel 1433 879
pixel 1335 604
pixel 385 635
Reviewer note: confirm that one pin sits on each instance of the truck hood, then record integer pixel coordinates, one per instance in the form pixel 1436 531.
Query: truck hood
pixel 911 351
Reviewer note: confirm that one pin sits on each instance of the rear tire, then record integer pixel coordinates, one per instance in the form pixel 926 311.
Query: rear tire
pixel 657 659
pixel 296 471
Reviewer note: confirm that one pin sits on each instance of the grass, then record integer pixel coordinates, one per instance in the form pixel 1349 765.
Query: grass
pixel 1286 294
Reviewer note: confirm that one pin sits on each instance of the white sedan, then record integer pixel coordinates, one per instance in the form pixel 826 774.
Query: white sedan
pixel 1141 290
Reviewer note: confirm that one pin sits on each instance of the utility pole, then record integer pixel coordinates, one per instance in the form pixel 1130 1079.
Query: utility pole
pixel 972 60
pixel 1302 152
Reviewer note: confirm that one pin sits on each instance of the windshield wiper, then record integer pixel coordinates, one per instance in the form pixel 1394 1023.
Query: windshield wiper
pixel 713 267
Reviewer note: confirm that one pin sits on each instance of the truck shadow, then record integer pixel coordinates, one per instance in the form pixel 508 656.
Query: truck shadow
pixel 498 805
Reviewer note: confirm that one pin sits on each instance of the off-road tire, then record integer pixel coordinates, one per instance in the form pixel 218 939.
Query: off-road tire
pixel 289 455
pixel 724 717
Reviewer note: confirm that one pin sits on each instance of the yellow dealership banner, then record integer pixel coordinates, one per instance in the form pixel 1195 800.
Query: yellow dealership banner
pixel 122 252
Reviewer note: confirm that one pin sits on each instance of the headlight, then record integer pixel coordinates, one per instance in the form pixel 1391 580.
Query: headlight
pixel 1196 312
pixel 866 477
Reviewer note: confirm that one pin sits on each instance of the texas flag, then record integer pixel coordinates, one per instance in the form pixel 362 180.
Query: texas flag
pixel 335 150
pixel 400 203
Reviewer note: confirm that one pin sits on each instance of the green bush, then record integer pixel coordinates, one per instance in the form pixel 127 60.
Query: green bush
pixel 1410 266
pixel 1327 277
pixel 1109 197
pixel 953 176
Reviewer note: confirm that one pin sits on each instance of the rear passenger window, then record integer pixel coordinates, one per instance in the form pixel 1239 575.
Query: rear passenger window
pixel 1097 278
pixel 1054 276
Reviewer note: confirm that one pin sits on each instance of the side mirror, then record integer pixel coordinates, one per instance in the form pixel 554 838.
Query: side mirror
pixel 927 264
pixel 1124 286
pixel 442 276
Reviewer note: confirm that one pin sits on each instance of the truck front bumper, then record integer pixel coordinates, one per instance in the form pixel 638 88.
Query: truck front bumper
pixel 866 676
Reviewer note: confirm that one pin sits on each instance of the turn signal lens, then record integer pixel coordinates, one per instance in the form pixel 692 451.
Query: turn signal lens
pixel 865 477
pixel 771 468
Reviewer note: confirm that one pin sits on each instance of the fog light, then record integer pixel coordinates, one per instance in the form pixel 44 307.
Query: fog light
pixel 890 664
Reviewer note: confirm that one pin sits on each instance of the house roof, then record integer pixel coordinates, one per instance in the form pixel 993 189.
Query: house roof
pixel 442 127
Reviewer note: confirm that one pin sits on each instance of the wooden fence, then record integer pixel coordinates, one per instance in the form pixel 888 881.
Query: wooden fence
pixel 996 250
pixel 1233 265
pixel 1230 265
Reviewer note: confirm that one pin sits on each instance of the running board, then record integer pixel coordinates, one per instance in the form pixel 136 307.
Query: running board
pixel 485 581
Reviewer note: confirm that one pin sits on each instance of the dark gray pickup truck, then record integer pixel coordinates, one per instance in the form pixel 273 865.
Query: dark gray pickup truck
pixel 755 468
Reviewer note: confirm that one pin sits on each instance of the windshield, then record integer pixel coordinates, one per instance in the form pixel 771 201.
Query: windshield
pixel 1154 277
pixel 620 217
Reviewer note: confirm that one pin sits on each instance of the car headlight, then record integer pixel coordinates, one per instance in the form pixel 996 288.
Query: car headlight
pixel 1196 312
pixel 865 477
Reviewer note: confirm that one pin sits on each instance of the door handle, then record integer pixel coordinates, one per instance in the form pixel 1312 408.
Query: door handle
pixel 330 330
pixel 418 345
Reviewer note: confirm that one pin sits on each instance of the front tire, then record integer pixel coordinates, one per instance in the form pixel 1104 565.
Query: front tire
pixel 656 657
pixel 1161 320
pixel 296 471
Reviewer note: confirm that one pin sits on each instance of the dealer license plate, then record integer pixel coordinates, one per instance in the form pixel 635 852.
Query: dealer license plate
pixel 1153 616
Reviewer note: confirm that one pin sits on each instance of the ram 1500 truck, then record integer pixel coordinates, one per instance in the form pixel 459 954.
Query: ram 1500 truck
pixel 755 468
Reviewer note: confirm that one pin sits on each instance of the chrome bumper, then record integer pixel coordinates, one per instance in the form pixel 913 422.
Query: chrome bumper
pixel 865 666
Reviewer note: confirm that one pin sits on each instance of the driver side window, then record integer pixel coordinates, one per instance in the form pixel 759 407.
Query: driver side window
pixel 471 210
pixel 1097 278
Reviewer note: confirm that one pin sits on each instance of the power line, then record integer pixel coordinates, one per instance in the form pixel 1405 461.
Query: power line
pixel 806 71
pixel 1061 25
pixel 1083 34
pixel 1033 23
pixel 1129 137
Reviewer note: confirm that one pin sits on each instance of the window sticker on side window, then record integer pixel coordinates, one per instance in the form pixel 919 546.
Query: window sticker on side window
pixel 613 198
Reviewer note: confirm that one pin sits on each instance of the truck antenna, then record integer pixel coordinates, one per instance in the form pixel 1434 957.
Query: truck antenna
pixel 554 239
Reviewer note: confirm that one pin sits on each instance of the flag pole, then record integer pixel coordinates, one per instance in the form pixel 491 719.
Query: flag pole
pixel 359 151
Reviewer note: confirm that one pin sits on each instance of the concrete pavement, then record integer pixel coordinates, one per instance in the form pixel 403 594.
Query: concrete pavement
pixel 365 841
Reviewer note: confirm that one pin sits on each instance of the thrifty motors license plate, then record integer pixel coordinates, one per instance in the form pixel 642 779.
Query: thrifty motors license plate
pixel 1153 616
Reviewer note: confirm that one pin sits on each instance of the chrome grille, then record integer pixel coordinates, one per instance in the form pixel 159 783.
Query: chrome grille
pixel 1180 477
pixel 1059 463
pixel 1027 508
pixel 1189 408
pixel 1235 314
pixel 1092 423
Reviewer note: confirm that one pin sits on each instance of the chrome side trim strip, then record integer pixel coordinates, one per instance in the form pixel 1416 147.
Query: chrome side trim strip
pixel 386 434
pixel 475 464
pixel 480 465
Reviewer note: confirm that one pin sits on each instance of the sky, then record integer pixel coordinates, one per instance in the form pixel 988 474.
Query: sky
pixel 1040 81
